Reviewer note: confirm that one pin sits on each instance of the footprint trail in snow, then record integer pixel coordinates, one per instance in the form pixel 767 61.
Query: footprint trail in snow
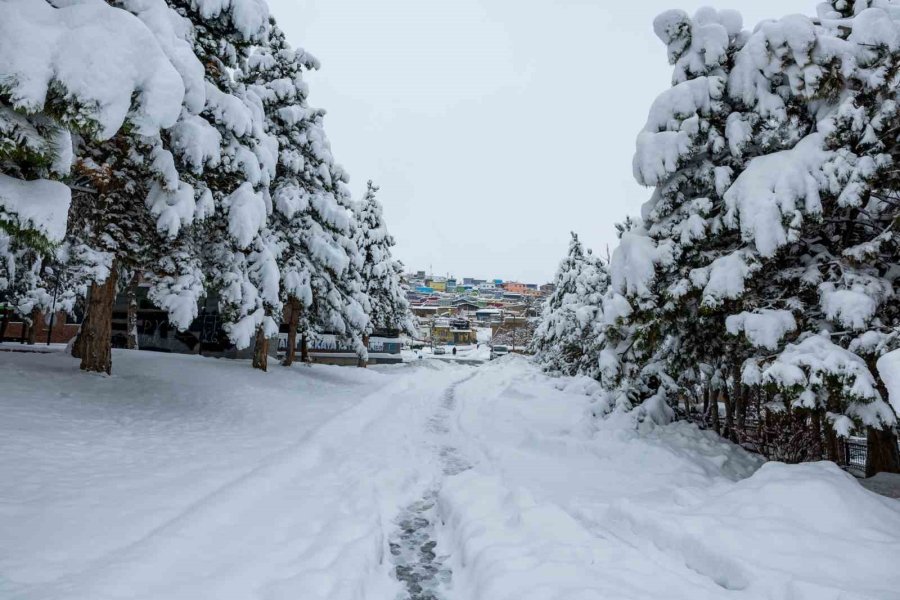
pixel 418 567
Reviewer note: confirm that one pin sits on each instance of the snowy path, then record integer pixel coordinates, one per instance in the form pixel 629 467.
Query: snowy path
pixel 182 478
pixel 561 506
pixel 210 481
pixel 423 572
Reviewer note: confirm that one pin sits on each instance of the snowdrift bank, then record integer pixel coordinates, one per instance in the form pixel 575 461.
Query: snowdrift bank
pixel 559 507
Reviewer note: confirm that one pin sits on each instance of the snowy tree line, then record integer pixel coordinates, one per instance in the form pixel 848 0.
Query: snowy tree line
pixel 762 273
pixel 172 141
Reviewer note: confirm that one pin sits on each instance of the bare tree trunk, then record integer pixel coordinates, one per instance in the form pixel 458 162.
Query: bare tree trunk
pixel 4 324
pixel 304 348
pixel 364 362
pixel 882 454
pixel 706 394
pixel 728 431
pixel 831 443
pixel 714 408
pixel 293 321
pixel 36 316
pixel 742 408
pixel 261 349
pixel 816 425
pixel 95 338
pixel 131 335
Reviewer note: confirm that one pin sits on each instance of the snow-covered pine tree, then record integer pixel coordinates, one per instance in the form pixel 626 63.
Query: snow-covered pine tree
pixel 48 62
pixel 845 255
pixel 33 149
pixel 234 162
pixel 688 268
pixel 798 171
pixel 111 234
pixel 668 275
pixel 824 303
pixel 558 341
pixel 592 285
pixel 380 272
pixel 312 217
pixel 137 218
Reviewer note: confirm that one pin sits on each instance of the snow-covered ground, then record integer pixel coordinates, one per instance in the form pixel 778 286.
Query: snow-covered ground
pixel 183 477
pixel 468 353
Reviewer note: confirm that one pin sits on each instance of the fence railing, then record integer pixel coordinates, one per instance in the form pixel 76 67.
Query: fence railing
pixel 856 452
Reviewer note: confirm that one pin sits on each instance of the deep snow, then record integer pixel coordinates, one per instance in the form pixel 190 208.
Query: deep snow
pixel 185 477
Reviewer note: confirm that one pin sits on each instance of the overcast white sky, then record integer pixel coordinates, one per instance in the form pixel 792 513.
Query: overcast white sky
pixel 494 127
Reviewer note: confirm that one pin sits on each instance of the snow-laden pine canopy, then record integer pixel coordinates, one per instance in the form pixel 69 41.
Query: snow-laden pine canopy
pixel 173 138
pixel 765 262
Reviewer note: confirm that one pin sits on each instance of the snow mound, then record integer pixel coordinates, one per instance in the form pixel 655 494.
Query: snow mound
pixel 787 532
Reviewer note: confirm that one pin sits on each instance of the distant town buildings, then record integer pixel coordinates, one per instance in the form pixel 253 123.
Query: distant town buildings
pixel 450 309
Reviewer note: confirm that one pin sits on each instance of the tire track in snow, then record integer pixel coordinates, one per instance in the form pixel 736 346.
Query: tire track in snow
pixel 422 572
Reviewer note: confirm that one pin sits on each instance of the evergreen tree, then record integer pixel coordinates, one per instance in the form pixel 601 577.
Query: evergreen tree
pixel 765 223
pixel 380 272
pixel 312 218
pixel 233 161
pixel 567 336
pixel 52 86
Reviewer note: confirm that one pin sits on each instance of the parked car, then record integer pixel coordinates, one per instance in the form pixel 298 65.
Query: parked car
pixel 440 350
pixel 498 351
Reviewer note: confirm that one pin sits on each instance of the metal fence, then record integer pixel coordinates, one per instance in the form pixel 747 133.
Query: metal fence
pixel 856 451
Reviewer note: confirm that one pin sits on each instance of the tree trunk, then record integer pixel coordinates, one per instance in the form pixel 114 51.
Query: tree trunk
pixel 728 432
pixel 816 426
pixel 261 349
pixel 742 408
pixel 293 321
pixel 706 393
pixel 36 316
pixel 364 362
pixel 714 408
pixel 131 335
pixel 882 454
pixel 4 324
pixel 24 332
pixel 304 348
pixel 831 443
pixel 95 339
pixel 78 342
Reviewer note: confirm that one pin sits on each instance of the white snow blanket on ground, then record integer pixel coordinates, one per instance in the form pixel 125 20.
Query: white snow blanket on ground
pixel 562 506
pixel 181 478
